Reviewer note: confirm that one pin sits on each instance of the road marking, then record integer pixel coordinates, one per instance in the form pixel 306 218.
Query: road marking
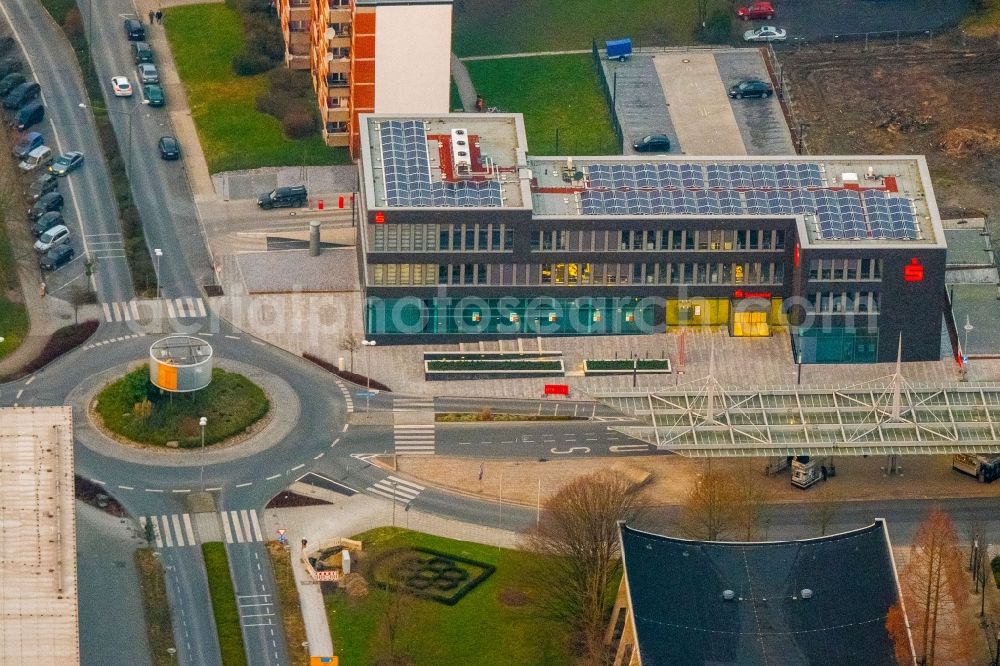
pixel 153 490
pixel 344 429
pixel 244 485
pixel 189 529
pixel 18 396
pixel 622 448
pixel 256 527
pixel 572 449
pixel 135 309
pixel 297 467
pixel 126 487
pixel 166 532
pixel 272 477
pixel 394 488
pixel 201 308
pixel 334 443
pixel 181 490
pixel 225 527
pixel 233 337
pixel 319 455
pixel 257 342
pixel 32 378
pixel 213 489
pixel 236 526
pixel 170 310
pixel 176 520
pixel 246 523
pixel 97 482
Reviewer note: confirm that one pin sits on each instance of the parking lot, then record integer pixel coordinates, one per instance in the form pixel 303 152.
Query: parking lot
pixel 822 19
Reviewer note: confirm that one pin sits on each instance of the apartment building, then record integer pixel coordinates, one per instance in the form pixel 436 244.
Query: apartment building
pixel 370 56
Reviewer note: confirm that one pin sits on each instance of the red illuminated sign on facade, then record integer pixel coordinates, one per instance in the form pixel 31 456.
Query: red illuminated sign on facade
pixel 739 293
pixel 797 257
pixel 913 271
pixel 379 217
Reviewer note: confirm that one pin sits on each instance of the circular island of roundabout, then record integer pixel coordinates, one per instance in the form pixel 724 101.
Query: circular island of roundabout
pixel 178 400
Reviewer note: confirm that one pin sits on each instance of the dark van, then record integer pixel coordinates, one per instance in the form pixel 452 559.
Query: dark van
pixel 29 115
pixel 21 95
pixel 134 30
pixel 283 197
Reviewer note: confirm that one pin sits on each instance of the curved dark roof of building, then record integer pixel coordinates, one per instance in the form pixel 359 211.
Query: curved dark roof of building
pixel 677 589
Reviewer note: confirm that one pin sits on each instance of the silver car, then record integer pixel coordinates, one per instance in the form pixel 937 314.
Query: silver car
pixel 55 236
pixel 148 74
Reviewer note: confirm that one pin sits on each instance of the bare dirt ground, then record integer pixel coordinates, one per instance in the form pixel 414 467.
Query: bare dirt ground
pixel 937 98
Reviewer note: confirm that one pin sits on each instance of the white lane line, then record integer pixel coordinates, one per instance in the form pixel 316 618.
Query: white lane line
pixel 272 477
pixel 233 337
pixel 117 314
pixel 236 526
pixel 97 482
pixel 190 307
pixel 135 309
pixel 246 525
pixel 153 490
pixel 107 312
pixel 166 532
pixel 126 487
pixel 170 309
pixel 177 530
pixel 403 482
pixel 181 490
pixel 225 527
pixel 125 313
pixel 256 525
pixel 201 308
pixel 18 396
pixel 334 443
pixel 244 485
pixel 188 529
pixel 214 489
pixel 319 455
pixel 344 429
pixel 298 467
pixel 257 342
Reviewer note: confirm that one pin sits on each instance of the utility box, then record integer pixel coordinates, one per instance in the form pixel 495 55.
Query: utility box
pixel 619 49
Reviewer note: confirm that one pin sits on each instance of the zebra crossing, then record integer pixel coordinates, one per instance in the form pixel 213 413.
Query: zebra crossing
pixel 404 404
pixel 414 439
pixel 396 489
pixel 177 530
pixel 150 309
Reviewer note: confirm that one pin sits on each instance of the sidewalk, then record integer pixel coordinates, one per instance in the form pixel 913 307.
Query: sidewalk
pixel 466 89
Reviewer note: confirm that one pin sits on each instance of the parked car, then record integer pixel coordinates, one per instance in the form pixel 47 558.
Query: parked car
pixel 766 34
pixel 45 222
pixel 148 73
pixel 10 64
pixel 169 148
pixel 141 52
pixel 39 156
pixel 284 197
pixel 21 95
pixel 652 143
pixel 57 235
pixel 28 143
pixel 751 88
pixel 120 86
pixel 56 257
pixel 134 30
pixel 42 185
pixel 9 82
pixel 46 203
pixel 28 115
pixel 758 11
pixel 66 162
pixel 154 95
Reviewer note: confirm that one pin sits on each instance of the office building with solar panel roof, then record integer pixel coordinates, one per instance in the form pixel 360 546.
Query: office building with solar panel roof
pixel 467 237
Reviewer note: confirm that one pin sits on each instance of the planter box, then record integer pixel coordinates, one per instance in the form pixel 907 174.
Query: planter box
pixel 489 356
pixel 492 368
pixel 645 366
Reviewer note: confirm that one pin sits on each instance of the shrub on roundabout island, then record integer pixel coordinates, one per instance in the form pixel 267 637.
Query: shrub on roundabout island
pixel 134 408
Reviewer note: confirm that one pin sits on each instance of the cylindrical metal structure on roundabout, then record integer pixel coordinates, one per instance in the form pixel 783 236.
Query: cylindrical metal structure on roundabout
pixel 180 363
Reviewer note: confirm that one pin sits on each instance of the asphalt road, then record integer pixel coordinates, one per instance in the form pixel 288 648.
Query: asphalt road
pixel 822 19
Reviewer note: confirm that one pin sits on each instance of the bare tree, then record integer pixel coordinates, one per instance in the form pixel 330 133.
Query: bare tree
pixel 78 296
pixel 751 495
pixel 350 342
pixel 821 516
pixel 578 534
pixel 936 593
pixel 709 512
pixel 395 615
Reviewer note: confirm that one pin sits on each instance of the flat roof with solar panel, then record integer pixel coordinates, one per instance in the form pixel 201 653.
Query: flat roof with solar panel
pixel 839 200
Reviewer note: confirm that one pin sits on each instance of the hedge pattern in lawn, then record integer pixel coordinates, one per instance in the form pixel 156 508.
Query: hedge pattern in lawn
pixel 352 377
pixel 64 340
pixel 231 403
pixel 628 364
pixel 428 574
pixel 483 365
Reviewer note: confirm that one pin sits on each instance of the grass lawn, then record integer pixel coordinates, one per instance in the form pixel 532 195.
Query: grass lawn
pixel 155 606
pixel 553 92
pixel 480 630
pixel 231 403
pixel 455 100
pixel 233 134
pixel 13 325
pixel 485 27
pixel 227 616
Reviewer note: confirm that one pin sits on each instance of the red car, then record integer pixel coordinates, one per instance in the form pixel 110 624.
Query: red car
pixel 757 11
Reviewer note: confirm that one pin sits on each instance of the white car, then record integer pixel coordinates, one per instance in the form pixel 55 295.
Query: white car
pixel 55 236
pixel 766 34
pixel 121 86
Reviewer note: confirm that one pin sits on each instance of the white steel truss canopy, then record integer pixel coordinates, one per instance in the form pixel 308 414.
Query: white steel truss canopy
pixel 883 416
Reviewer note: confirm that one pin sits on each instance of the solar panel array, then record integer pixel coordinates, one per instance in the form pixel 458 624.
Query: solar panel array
pixel 406 171
pixel 747 189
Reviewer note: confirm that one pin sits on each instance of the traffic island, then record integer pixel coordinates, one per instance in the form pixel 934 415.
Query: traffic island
pixel 136 410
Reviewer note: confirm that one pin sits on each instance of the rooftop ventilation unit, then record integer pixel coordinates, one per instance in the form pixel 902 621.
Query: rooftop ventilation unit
pixel 461 155
pixel 728 595
pixel 806 593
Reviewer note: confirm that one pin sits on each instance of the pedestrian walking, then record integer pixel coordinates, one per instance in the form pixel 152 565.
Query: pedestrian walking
pixel 152 16
pixel 480 103
pixel 159 16
pixel 42 290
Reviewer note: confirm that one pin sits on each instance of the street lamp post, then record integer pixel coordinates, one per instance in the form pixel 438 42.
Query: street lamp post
pixel 965 347
pixel 202 422
pixel 368 344
pixel 798 379
pixel 635 368
pixel 157 252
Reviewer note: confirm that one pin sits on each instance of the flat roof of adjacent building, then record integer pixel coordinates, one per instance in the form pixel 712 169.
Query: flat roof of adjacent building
pixel 38 585
pixel 449 161
pixel 814 601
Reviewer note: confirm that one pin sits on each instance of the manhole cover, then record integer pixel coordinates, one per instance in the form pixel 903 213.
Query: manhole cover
pixel 686 60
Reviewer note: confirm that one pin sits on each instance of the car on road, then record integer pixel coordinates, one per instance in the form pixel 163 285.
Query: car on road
pixel 751 88
pixel 154 95
pixel 46 203
pixel 28 143
pixel 757 11
pixel 766 34
pixel 134 30
pixel 36 158
pixel 56 257
pixel 28 115
pixel 652 143
pixel 141 52
pixel 57 235
pixel 284 197
pixel 121 86
pixel 21 95
pixel 10 64
pixel 46 222
pixel 169 148
pixel 9 82
pixel 42 185
pixel 66 162
pixel 147 73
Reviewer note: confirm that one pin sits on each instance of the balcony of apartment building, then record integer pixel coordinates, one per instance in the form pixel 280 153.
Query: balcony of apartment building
pixel 337 133
pixel 338 61
pixel 336 106
pixel 338 36
pixel 297 45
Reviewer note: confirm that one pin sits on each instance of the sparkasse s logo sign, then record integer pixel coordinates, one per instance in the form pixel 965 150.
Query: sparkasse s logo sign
pixel 913 271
